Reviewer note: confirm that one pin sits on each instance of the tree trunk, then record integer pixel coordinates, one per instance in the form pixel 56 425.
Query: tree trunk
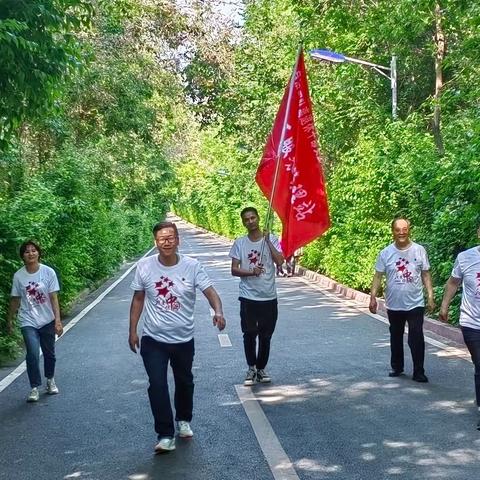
pixel 440 48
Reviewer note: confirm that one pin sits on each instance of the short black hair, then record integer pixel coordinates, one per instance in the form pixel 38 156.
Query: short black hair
pixel 162 225
pixel 249 209
pixel 27 243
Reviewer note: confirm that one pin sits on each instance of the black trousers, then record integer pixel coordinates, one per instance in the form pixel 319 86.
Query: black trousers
pixel 156 356
pixel 471 336
pixel 258 318
pixel 416 341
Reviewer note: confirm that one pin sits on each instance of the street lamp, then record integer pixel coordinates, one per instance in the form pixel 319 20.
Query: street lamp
pixel 388 72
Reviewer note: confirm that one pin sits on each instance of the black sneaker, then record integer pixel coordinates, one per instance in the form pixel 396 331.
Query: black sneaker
pixel 263 376
pixel 420 377
pixel 250 377
pixel 395 373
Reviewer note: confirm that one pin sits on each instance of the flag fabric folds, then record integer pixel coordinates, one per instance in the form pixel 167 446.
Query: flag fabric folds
pixel 299 198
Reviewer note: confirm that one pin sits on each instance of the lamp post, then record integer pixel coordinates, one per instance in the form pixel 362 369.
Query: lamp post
pixel 388 72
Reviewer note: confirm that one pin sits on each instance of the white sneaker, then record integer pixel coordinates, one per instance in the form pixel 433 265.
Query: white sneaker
pixel 263 376
pixel 52 388
pixel 250 377
pixel 184 429
pixel 166 444
pixel 34 395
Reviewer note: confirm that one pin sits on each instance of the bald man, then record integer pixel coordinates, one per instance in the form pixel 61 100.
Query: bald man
pixel 407 270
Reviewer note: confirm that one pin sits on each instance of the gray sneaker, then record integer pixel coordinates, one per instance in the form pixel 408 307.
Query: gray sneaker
pixel 184 429
pixel 34 395
pixel 52 388
pixel 165 444
pixel 263 376
pixel 250 377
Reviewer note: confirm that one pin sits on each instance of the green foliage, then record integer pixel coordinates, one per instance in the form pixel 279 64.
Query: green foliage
pixel 89 178
pixel 376 169
pixel 106 117
pixel 38 50
pixel 217 181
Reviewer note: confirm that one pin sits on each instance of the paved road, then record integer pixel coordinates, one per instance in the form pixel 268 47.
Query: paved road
pixel 331 412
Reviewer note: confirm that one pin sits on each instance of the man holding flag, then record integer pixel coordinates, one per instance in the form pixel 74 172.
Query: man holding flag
pixel 290 175
pixel 254 259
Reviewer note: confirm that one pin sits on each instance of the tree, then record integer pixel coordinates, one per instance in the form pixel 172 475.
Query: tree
pixel 38 50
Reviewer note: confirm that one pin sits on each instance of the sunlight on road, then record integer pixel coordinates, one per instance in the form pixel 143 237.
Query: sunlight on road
pixel 139 476
pixel 313 466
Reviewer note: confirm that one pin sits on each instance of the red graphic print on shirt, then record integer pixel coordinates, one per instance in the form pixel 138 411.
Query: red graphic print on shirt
pixel 34 294
pixel 254 258
pixel 403 273
pixel 165 298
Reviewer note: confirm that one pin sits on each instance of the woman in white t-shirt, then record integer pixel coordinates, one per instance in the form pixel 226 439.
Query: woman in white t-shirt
pixel 466 271
pixel 34 300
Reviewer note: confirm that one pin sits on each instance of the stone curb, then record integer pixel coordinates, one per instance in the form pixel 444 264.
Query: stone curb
pixel 444 330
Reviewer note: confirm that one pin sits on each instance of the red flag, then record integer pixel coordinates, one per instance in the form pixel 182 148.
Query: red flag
pixel 299 199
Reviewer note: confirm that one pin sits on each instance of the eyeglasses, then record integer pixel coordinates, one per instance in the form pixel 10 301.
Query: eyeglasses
pixel 163 240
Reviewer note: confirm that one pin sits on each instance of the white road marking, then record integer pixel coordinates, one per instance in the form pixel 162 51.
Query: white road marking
pixel 278 461
pixel 23 367
pixel 224 340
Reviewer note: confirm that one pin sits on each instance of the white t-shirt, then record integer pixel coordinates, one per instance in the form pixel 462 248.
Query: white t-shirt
pixel 467 268
pixel 170 294
pixel 34 289
pixel 248 253
pixel 403 269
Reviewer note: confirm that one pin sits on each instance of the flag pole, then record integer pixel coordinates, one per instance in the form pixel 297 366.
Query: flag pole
pixel 280 145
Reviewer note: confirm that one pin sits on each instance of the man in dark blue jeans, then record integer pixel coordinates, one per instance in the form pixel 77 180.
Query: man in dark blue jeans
pixel 156 356
pixel 466 271
pixel 165 290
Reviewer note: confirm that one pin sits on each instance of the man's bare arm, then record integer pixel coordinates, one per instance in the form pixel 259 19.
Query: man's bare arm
pixel 376 284
pixel 451 288
pixel 277 256
pixel 136 308
pixel 237 271
pixel 427 282
pixel 216 304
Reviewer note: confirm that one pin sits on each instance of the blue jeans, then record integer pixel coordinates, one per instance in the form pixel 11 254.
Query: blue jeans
pixel 471 336
pixel 36 338
pixel 156 356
